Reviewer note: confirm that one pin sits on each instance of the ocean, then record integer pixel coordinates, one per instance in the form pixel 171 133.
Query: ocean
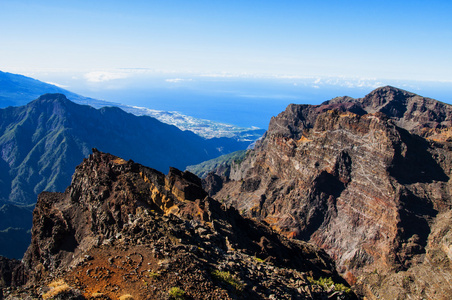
pixel 246 103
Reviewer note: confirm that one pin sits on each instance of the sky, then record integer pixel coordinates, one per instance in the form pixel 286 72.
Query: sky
pixel 100 46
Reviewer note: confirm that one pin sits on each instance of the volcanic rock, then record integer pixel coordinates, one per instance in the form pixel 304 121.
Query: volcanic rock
pixel 368 180
pixel 124 230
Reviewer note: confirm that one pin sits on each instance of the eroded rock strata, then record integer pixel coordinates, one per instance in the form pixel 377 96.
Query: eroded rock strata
pixel 367 179
pixel 124 229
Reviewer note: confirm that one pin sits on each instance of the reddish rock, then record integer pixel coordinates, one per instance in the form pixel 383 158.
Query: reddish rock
pixel 122 228
pixel 366 179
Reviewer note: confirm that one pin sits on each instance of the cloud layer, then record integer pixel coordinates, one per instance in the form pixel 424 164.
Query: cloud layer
pixel 103 76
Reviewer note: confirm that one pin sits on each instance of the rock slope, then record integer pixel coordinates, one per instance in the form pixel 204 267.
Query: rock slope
pixel 124 230
pixel 41 144
pixel 368 180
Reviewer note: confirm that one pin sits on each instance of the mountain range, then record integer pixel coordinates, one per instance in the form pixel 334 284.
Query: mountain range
pixel 349 198
pixel 43 141
pixel 19 90
pixel 366 179
pixel 125 231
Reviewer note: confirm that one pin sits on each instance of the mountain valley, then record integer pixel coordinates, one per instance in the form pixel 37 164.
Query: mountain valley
pixel 43 141
pixel 343 200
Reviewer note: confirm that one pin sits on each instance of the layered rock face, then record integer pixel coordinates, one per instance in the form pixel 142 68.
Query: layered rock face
pixel 124 230
pixel 366 179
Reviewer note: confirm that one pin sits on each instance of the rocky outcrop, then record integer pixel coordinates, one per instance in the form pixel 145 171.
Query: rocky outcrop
pixel 124 229
pixel 366 179
pixel 42 142
pixel 419 115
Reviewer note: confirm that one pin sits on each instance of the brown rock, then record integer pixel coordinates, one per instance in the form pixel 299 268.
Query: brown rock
pixel 124 229
pixel 366 179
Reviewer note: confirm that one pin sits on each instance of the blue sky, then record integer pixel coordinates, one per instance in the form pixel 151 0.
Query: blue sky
pixel 103 45
pixel 383 39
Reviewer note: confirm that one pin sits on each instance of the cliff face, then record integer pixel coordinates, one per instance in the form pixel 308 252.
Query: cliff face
pixel 42 143
pixel 121 228
pixel 366 179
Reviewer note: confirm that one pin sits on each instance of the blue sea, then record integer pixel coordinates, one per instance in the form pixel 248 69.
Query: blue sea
pixel 245 103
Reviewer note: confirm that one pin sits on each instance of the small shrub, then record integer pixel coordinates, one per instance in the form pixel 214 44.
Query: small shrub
pixel 56 288
pixel 56 283
pixel 228 278
pixel 176 293
pixel 153 275
pixel 326 283
pixel 258 259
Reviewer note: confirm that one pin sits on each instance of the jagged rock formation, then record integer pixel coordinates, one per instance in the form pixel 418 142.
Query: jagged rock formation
pixel 41 144
pixel 366 179
pixel 122 228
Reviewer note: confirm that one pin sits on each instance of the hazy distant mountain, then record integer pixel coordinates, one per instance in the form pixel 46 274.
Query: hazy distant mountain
pixel 17 90
pixel 42 142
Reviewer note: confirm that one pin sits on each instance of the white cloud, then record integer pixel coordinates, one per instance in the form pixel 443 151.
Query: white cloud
pixel 58 85
pixel 102 76
pixel 176 80
pixel 347 82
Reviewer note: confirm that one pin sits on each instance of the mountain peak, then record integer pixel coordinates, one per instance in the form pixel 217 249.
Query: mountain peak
pixel 366 179
pixel 51 103
pixel 50 98
pixel 389 88
pixel 419 115
pixel 123 228
pixel 386 94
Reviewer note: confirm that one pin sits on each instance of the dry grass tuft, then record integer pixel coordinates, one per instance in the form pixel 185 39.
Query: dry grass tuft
pixel 97 295
pixel 56 288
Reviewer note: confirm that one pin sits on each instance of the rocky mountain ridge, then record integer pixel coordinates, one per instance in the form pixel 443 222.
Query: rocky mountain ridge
pixel 124 230
pixel 42 142
pixel 367 179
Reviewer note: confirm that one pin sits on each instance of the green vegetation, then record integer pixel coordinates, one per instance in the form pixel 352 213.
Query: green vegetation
pixel 258 259
pixel 327 283
pixel 228 278
pixel 44 141
pixel 176 293
pixel 153 275
pixel 204 168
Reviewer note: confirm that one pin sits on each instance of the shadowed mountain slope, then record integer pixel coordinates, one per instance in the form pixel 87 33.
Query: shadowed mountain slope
pixel 42 142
